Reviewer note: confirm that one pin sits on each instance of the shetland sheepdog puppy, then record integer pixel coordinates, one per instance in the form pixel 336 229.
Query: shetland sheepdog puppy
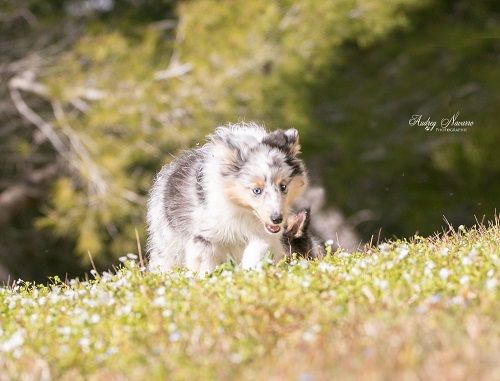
pixel 229 198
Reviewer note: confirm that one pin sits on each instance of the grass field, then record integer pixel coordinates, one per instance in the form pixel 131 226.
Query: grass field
pixel 422 309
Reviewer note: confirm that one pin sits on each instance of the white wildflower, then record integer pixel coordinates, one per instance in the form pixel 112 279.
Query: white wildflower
pixel 406 277
pixel 13 342
pixel 429 266
pixel 466 261
pixel 403 252
pixel 293 262
pixel 381 284
pixel 491 284
pixel 311 334
pixel 304 264
pixel 27 302
pixel 227 274
pixel 464 280
pixel 84 342
pixel 444 251
pixel 123 259
pixel 361 263
pixel 444 274
pixel 159 301
pixel 174 336
pixel 121 282
pixel 370 329
pixel 384 248
pixel 104 298
pixel 54 298
pixel 129 295
pixel 81 315
pixel 94 319
pixel 389 265
pixel 160 291
pixel 433 299
pixel 70 294
pixel 355 271
pixel 329 242
pixel 123 310
pixel 132 256
pixel 346 277
pixel 490 273
pixel 235 358
pixel 89 302
pixel 326 267
pixel 64 331
pixel 308 336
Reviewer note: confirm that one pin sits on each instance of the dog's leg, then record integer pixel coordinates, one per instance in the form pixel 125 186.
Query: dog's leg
pixel 254 253
pixel 278 250
pixel 200 256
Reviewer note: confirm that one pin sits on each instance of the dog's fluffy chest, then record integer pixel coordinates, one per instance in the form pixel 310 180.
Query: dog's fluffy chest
pixel 227 227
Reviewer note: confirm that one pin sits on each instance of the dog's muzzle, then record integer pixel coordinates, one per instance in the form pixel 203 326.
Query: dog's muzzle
pixel 273 229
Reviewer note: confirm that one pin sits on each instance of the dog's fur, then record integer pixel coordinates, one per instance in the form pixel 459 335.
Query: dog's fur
pixel 203 207
pixel 297 238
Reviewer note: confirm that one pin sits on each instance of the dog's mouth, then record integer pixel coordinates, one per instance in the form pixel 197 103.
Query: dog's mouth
pixel 273 229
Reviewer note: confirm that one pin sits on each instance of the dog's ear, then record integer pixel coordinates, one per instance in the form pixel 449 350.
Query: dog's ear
pixel 231 150
pixel 298 223
pixel 292 138
pixel 287 141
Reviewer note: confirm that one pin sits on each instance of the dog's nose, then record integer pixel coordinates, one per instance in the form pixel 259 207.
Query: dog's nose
pixel 276 218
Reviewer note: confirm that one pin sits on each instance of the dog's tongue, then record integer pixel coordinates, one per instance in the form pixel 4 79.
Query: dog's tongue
pixel 273 228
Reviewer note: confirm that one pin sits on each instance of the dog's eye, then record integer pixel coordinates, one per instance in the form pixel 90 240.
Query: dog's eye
pixel 257 191
pixel 283 188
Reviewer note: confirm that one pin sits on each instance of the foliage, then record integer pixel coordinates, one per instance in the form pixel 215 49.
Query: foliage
pixel 126 87
pixel 399 310
pixel 150 114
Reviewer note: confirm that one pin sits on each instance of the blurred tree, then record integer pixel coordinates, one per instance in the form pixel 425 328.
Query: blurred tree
pixel 109 90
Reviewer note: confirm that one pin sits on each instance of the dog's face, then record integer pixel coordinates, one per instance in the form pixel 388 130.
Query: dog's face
pixel 264 175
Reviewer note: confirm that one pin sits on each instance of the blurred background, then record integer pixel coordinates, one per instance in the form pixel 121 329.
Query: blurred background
pixel 95 95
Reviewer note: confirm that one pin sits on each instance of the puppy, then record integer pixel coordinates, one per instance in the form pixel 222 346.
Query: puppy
pixel 229 198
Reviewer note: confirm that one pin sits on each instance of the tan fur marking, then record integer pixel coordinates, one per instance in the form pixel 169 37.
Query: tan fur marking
pixel 258 183
pixel 296 187
pixel 295 149
pixel 237 195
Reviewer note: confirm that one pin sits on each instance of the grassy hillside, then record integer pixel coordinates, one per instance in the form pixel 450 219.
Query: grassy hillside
pixel 416 309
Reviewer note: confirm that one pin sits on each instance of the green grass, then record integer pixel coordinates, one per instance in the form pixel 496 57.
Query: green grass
pixel 426 308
